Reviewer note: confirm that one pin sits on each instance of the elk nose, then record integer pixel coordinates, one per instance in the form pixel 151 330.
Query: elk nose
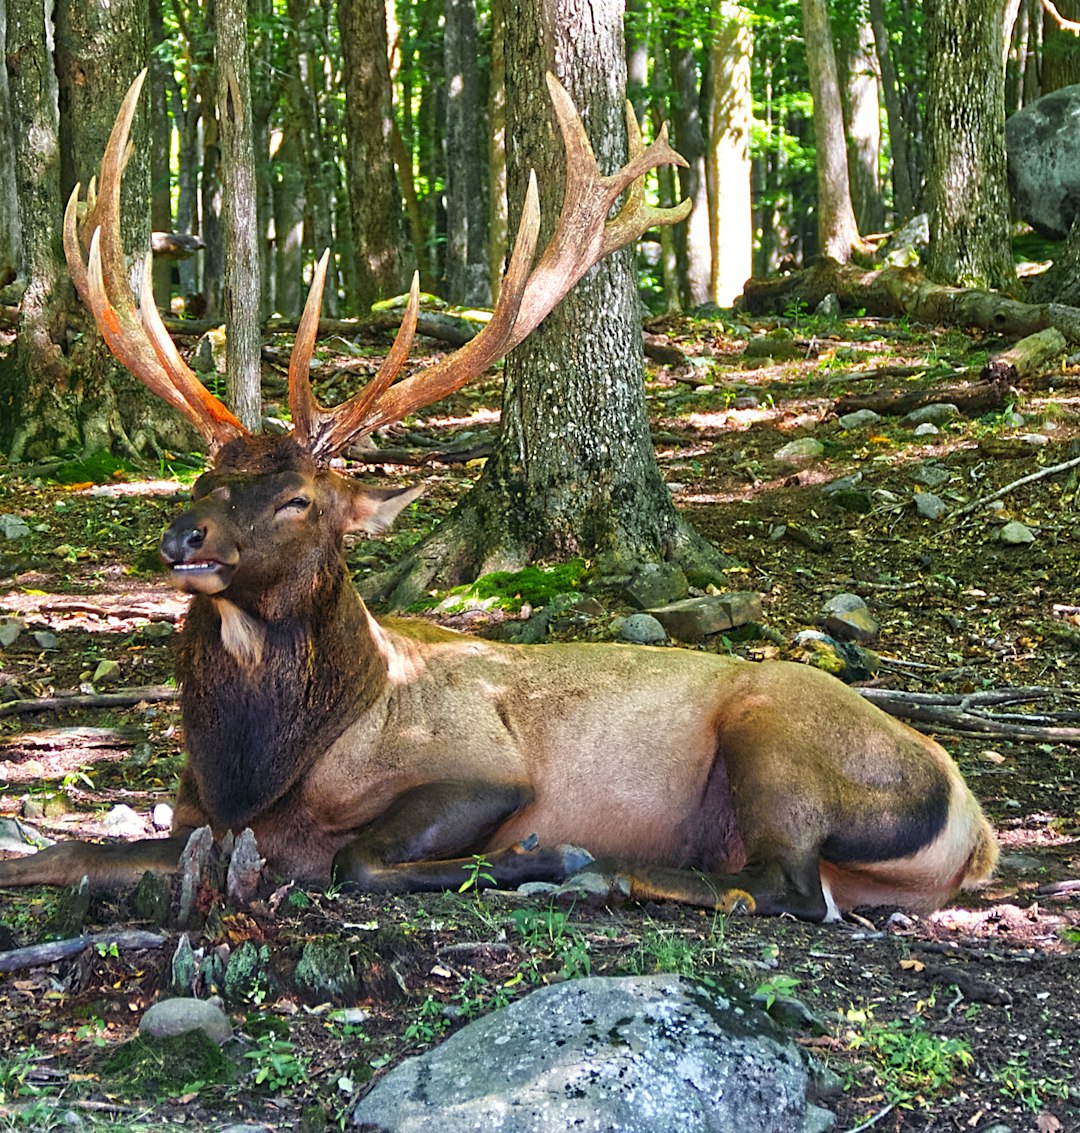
pixel 182 539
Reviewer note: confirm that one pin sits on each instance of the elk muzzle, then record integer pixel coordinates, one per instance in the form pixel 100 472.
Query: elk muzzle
pixel 200 557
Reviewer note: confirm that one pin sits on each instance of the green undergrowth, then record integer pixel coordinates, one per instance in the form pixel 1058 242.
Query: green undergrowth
pixel 510 590
pixel 149 1067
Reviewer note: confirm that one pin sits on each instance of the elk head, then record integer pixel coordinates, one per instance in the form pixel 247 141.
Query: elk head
pixel 269 505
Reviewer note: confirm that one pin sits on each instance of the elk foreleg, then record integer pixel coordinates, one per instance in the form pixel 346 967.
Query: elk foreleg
pixel 425 840
pixel 107 865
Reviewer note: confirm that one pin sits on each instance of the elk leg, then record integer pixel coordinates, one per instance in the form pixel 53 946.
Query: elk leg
pixel 107 865
pixel 770 887
pixel 417 844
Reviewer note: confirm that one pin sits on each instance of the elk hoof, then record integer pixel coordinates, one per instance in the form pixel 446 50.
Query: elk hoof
pixel 735 901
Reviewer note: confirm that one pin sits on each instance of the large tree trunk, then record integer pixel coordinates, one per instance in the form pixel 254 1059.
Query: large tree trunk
pixel 838 233
pixel 968 201
pixel 466 246
pixel 728 165
pixel 574 473
pixel 80 401
pixel 243 267
pixel 374 197
pixel 905 192
pixel 498 230
pixel 10 237
pixel 862 114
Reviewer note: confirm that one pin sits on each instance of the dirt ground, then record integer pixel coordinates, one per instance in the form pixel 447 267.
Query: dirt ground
pixel 968 1019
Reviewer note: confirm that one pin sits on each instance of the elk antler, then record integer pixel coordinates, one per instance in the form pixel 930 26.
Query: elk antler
pixel 583 235
pixel 134 331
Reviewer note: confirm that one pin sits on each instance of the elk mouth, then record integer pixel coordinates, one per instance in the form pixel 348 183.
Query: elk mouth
pixel 200 576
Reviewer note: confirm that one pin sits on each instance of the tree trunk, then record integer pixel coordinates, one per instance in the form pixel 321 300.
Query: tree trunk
pixel 968 201
pixel 466 246
pixel 160 138
pixel 862 115
pixel 574 473
pixel 10 235
pixel 289 223
pixel 728 166
pixel 904 191
pixel 692 239
pixel 243 268
pixel 1061 50
pixel 838 234
pixel 186 120
pixel 374 198
pixel 498 230
pixel 81 401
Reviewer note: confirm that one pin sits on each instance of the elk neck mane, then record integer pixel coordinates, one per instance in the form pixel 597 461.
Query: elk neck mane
pixel 253 730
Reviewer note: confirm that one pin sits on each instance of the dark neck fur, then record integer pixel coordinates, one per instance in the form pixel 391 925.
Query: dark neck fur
pixel 252 732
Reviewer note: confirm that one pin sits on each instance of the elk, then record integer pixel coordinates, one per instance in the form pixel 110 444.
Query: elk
pixel 386 753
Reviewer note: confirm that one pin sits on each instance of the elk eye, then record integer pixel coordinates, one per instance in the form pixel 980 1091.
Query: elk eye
pixel 297 503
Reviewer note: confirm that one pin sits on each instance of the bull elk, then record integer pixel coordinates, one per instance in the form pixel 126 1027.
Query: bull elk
pixel 388 752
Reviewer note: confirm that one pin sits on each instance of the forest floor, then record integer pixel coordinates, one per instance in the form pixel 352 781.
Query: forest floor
pixel 968 1019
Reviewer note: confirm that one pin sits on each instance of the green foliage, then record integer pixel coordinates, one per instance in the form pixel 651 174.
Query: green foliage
pixel 510 590
pixel 549 935
pixel 97 468
pixel 775 987
pixel 1017 1082
pixel 429 1025
pixel 15 1070
pixel 479 869
pixel 275 1063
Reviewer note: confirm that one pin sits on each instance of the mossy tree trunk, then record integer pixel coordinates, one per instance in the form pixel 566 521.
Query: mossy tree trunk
pixel 574 473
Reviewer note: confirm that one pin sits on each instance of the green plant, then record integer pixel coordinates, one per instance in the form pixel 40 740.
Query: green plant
pixel 15 1073
pixel 775 987
pixel 908 1059
pixel 429 1024
pixel 93 1030
pixel 549 935
pixel 1016 1081
pixel 479 869
pixel 275 1063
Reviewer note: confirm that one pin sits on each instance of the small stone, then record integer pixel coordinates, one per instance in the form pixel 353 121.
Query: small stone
pixel 859 419
pixel 927 429
pixel 829 307
pixel 799 450
pixel 884 496
pixel 152 898
pixel 325 971
pixel 1013 420
pixel 123 821
pixel 171 1017
pixel 538 889
pixel 641 629
pixel 46 640
pixel 848 618
pixel 9 631
pixel 696 618
pixel 106 673
pixel 939 413
pixel 13 527
pixel 930 474
pixel 1016 534
pixel 852 499
pixel 842 484
pixel 843 659
pixel 1034 440
pixel 656 584
pixel 162 816
pixel 930 506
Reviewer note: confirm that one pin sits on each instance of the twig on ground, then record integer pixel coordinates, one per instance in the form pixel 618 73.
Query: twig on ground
pixel 38 955
pixel 875 1119
pixel 1041 474
pixel 122 698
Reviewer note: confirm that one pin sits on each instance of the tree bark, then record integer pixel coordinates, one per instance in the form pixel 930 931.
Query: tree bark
pixel 862 115
pixel 574 473
pixel 375 207
pixel 968 201
pixel 498 226
pixel 243 267
pixel 466 244
pixel 160 138
pixel 289 223
pixel 905 193
pixel 10 234
pixel 838 233
pixel 728 164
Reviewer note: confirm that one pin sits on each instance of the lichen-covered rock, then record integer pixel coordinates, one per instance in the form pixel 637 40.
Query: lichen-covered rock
pixel 170 1017
pixel 650 1054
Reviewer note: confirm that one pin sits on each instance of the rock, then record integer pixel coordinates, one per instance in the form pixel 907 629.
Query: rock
pixel 162 816
pixel 538 889
pixel 325 971
pixel 152 899
pixel 844 659
pixel 640 629
pixel 185 967
pixel 930 506
pixel 1043 145
pixel 648 1054
pixel 656 584
pixel 124 822
pixel 930 475
pixel 842 484
pixel 170 1017
pixel 248 975
pixel 847 618
pixel 696 618
pixel 852 499
pixel 45 639
pixel 778 344
pixel 859 419
pixel 19 838
pixel 10 628
pixel 939 413
pixel 1016 534
pixel 927 429
pixel 907 247
pixel 828 308
pixel 13 527
pixel 799 450
pixel 106 673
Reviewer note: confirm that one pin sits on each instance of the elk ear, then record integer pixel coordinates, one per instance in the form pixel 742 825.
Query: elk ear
pixel 373 509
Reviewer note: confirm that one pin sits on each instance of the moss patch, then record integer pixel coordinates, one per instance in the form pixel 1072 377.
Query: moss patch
pixel 149 1067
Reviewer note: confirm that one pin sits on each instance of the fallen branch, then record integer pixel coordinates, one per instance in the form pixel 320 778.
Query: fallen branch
pixel 122 698
pixel 38 955
pixel 1052 470
pixel 953 712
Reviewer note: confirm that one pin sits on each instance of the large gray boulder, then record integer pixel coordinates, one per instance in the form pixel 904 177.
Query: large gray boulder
pixel 649 1054
pixel 1043 145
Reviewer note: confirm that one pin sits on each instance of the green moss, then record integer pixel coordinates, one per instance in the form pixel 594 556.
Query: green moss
pixel 150 1068
pixel 97 468
pixel 512 589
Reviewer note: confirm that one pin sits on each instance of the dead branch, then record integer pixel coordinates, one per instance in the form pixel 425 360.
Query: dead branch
pixel 122 698
pixel 1052 470
pixel 38 955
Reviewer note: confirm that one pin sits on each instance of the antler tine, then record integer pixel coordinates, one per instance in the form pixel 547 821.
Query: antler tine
pixel 141 344
pixel 305 410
